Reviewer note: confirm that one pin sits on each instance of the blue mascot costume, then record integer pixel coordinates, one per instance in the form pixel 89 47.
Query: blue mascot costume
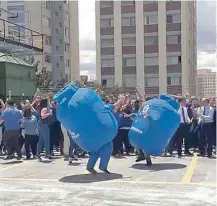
pixel 90 122
pixel 154 125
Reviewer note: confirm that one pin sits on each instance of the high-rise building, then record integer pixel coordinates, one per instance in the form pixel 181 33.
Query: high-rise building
pixel 58 22
pixel 150 45
pixel 206 83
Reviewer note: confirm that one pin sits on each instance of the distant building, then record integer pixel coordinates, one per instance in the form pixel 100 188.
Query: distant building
pixel 150 45
pixel 206 83
pixel 59 24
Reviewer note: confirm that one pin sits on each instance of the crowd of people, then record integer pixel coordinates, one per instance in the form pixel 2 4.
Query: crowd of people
pixel 34 126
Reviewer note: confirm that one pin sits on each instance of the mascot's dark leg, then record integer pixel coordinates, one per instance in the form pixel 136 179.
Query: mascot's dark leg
pixel 144 156
pixel 104 153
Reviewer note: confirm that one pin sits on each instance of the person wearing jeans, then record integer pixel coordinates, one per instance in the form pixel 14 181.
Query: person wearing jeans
pixel 30 125
pixel 12 119
pixel 72 148
pixel 44 130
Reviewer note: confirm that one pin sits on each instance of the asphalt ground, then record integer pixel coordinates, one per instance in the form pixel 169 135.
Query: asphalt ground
pixel 171 181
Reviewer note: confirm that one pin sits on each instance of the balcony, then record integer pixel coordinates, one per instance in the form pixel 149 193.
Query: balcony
pixel 19 40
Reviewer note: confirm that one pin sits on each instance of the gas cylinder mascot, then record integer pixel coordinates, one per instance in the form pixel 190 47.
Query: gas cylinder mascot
pixel 90 121
pixel 154 125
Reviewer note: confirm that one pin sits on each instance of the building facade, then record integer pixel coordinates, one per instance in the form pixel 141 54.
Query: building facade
pixel 150 45
pixel 58 22
pixel 206 83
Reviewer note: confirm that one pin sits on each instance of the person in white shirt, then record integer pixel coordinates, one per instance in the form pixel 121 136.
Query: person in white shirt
pixel 183 130
pixel 205 115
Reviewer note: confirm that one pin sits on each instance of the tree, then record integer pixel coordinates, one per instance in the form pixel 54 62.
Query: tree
pixel 62 82
pixel 43 79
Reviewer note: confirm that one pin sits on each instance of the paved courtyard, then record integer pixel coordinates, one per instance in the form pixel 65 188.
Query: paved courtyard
pixel 169 182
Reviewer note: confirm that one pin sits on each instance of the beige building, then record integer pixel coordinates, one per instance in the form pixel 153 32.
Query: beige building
pixel 206 83
pixel 58 22
pixel 147 44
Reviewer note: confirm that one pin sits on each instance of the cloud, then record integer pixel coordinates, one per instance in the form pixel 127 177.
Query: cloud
pixel 206 60
pixel 206 26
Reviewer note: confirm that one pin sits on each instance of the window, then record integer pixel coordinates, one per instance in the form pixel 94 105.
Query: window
pixel 47 58
pixel 56 13
pixel 172 60
pixel 174 80
pixel 61 58
pixel 131 41
pixel 107 42
pixel 130 81
pixel 173 39
pixel 60 24
pixel 47 4
pixel 151 61
pixel 128 21
pixel 108 82
pixel 66 31
pixel 151 20
pixel 20 10
pixel 149 1
pixel 173 18
pixel 128 62
pixel 57 48
pixel 151 81
pixel 66 15
pixel 57 31
pixel 106 22
pixel 151 40
pixel 107 63
pixel 67 62
pixel 104 4
pixel 127 3
pixel 47 40
pixel 60 7
pixel 46 21
pixel 57 65
pixel 66 47
pixel 61 41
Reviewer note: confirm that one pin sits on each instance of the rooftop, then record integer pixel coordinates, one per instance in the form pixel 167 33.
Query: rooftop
pixel 9 58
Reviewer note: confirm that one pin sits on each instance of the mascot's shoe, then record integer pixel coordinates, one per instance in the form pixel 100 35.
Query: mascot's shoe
pixel 149 162
pixel 92 171
pixel 139 159
pixel 106 171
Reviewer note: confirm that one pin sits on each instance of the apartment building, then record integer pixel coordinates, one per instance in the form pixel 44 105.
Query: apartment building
pixel 150 45
pixel 206 83
pixel 58 22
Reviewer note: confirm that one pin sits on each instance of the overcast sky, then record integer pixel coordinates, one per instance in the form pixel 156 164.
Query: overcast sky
pixel 206 35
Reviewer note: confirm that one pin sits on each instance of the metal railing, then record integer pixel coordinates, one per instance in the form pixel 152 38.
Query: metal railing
pixel 19 35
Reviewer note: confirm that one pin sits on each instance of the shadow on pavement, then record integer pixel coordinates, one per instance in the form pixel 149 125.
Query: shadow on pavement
pixel 12 162
pixel 74 164
pixel 88 178
pixel 159 166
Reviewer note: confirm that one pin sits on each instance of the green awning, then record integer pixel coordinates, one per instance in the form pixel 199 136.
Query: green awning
pixel 9 58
